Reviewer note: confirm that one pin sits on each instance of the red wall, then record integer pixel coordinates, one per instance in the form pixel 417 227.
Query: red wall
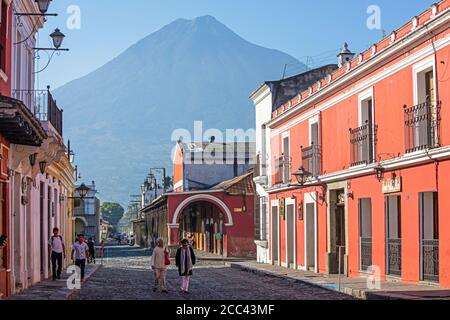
pixel 390 95
pixel 5 87
pixel 239 239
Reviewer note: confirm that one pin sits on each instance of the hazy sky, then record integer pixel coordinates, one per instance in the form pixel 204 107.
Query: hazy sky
pixel 298 27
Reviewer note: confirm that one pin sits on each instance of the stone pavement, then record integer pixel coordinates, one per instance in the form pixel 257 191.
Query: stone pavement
pixel 53 290
pixel 126 275
pixel 356 287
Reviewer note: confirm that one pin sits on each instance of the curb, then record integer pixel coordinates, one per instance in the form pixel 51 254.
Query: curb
pixel 71 294
pixel 292 280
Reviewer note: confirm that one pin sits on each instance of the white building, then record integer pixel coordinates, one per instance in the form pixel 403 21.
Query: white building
pixel 267 98
pixel 41 177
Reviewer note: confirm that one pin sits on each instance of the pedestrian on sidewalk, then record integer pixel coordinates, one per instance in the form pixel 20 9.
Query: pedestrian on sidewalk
pixel 91 251
pixel 58 251
pixel 185 260
pixel 80 252
pixel 159 265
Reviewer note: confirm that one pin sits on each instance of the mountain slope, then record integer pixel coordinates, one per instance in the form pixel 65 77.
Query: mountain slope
pixel 120 117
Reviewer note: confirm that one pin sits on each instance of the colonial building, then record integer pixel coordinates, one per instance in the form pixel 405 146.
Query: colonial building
pixel 87 214
pixel 267 98
pixel 213 200
pixel 357 164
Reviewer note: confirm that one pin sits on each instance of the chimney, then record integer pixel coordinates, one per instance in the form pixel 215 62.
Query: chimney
pixel 345 56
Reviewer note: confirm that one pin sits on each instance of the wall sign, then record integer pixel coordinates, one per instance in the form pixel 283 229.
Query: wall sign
pixel 282 206
pixel 392 185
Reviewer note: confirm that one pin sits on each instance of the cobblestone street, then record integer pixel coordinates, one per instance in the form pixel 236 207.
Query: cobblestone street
pixel 126 275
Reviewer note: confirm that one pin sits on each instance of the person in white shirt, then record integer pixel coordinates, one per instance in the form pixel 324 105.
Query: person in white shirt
pixel 158 264
pixel 58 251
pixel 80 252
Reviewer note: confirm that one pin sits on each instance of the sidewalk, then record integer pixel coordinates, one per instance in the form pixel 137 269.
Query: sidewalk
pixel 356 287
pixel 53 290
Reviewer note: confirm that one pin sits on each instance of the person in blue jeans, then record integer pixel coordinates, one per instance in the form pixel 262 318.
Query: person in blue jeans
pixel 80 252
pixel 58 252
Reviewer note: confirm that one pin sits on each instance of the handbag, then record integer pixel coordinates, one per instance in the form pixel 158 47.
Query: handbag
pixel 167 258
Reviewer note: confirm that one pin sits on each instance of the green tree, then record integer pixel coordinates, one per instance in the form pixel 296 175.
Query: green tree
pixel 112 212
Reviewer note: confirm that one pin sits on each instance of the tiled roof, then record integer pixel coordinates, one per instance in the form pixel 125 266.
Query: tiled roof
pixel 376 49
pixel 240 185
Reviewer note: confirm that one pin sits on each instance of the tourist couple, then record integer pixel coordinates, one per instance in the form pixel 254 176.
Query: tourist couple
pixel 185 260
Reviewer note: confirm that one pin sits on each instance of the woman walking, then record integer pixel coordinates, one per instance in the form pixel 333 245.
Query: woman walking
pixel 159 265
pixel 185 260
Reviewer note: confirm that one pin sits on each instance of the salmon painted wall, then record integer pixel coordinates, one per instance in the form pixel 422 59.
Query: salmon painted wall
pixel 178 168
pixel 240 236
pixel 390 96
pixel 444 223
pixel 5 275
pixel 5 86
pixel 414 181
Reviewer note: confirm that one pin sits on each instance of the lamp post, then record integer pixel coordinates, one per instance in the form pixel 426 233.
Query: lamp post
pixel 43 8
pixel 163 170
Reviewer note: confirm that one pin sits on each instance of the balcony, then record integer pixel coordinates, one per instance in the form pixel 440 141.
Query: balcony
pixel 422 124
pixel 42 105
pixel 283 170
pixel 362 144
pixel 312 159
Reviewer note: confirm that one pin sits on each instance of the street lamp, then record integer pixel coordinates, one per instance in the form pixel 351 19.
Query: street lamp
pixel 58 38
pixel 43 8
pixel 83 190
pixel 302 176
pixel 43 5
pixel 42 166
pixel 380 172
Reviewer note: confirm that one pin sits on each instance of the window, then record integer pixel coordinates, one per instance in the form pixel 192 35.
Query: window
pixel 393 235
pixel 286 160
pixel 3 32
pixel 422 120
pixel 2 223
pixel 365 233
pixel 363 138
pixel 429 236
pixel 311 155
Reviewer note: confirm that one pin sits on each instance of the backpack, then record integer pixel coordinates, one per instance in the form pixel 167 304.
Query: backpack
pixel 53 238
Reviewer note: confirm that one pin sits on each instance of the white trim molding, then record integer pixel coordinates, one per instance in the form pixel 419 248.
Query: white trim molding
pixel 194 198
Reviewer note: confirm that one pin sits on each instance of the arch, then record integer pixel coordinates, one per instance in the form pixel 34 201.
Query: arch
pixel 201 197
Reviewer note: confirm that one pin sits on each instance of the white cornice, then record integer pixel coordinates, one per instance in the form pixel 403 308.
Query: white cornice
pixel 442 21
pixel 409 160
pixel 410 60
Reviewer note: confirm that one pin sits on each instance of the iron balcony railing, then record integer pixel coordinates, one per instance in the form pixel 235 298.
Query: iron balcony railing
pixel 394 257
pixel 430 260
pixel 422 124
pixel 366 253
pixel 312 159
pixel 42 105
pixel 260 166
pixel 283 170
pixel 362 144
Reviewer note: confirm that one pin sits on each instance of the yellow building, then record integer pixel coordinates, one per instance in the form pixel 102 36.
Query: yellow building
pixel 63 172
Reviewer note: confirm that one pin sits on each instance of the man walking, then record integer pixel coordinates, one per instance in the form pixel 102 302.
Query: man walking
pixel 80 252
pixel 158 263
pixel 58 251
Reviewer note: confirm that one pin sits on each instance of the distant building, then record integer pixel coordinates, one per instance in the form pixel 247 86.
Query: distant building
pixel 199 166
pixel 267 98
pixel 87 214
pixel 213 201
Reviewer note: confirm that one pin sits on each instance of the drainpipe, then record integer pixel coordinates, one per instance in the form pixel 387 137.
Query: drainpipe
pixel 11 234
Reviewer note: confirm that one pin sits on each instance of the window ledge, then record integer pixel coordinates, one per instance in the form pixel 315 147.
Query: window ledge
pixel 3 75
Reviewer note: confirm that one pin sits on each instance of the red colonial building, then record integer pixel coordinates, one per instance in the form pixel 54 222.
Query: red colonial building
pixel 213 200
pixel 358 165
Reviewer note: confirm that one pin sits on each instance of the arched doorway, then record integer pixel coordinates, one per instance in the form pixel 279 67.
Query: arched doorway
pixel 80 225
pixel 204 223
